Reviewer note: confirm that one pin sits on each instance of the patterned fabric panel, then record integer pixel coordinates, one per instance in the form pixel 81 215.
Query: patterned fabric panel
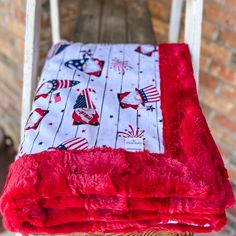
pixel 97 95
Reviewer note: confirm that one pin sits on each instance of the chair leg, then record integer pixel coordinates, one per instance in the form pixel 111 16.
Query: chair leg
pixel 193 29
pixel 32 37
pixel 175 20
pixel 55 21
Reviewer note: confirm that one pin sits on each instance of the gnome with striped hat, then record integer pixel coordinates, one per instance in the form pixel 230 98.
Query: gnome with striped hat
pixel 53 85
pixel 76 144
pixel 138 97
pixel 85 110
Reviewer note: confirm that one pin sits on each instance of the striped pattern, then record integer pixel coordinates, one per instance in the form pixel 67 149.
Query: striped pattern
pixel 149 94
pixel 84 100
pixel 74 144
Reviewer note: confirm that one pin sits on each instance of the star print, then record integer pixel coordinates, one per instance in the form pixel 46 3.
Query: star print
pixel 50 123
pixel 111 90
pixel 160 120
pixel 92 80
pixel 40 143
pixel 62 110
pixel 140 72
pixel 139 115
pixel 83 131
pixel 111 116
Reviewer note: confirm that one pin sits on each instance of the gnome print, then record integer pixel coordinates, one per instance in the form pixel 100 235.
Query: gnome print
pixel 138 97
pixel 84 109
pixel 77 143
pixel 88 64
pixel 53 85
pixel 147 50
pixel 35 118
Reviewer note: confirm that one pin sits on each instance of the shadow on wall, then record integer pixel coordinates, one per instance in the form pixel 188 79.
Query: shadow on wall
pixel 7 155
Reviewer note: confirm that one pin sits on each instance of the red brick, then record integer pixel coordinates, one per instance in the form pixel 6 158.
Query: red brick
pixel 223 72
pixel 218 14
pixel 209 30
pixel 159 10
pixel 228 37
pixel 225 122
pixel 229 92
pixel 20 15
pixel 232 172
pixel 204 62
pixel 231 4
pixel 222 136
pixel 217 103
pixel 160 27
pixel 208 81
pixel 211 49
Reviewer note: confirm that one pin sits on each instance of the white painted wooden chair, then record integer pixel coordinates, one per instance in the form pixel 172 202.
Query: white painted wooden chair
pixel 193 20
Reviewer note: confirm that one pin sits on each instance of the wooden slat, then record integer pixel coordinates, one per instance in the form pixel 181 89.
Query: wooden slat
pixel 113 22
pixel 175 20
pixel 89 21
pixel 139 27
pixel 33 12
pixel 55 20
pixel 193 29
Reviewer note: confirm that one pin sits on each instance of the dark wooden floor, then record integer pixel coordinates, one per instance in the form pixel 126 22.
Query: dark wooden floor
pixel 114 21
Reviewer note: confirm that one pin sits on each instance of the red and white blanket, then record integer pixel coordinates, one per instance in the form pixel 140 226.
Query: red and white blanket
pixel 116 142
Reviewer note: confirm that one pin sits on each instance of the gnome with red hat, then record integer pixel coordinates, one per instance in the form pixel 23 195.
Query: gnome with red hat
pixel 84 109
pixel 35 118
pixel 139 96
pixel 52 85
pixel 88 64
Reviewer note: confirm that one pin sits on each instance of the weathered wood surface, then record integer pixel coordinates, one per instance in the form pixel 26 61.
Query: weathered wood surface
pixel 114 21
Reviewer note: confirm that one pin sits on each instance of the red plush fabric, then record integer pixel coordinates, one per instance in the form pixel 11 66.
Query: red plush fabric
pixel 105 190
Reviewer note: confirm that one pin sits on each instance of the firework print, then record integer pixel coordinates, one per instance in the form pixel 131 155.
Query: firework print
pixel 96 95
pixel 120 66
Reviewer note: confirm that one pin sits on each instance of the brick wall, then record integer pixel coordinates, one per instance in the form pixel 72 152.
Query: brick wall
pixel 217 78
pixel 12 21
pixel 218 67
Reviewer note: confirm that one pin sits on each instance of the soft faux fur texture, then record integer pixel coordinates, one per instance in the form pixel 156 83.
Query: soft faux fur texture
pixel 105 190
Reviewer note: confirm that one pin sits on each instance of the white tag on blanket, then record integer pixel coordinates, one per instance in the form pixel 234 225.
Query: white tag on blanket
pixel 134 144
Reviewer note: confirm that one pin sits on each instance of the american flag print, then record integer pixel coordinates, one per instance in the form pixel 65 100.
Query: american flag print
pixel 72 144
pixel 57 97
pixel 118 99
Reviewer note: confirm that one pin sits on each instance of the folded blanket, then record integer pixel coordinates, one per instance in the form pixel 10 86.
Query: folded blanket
pixel 116 142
